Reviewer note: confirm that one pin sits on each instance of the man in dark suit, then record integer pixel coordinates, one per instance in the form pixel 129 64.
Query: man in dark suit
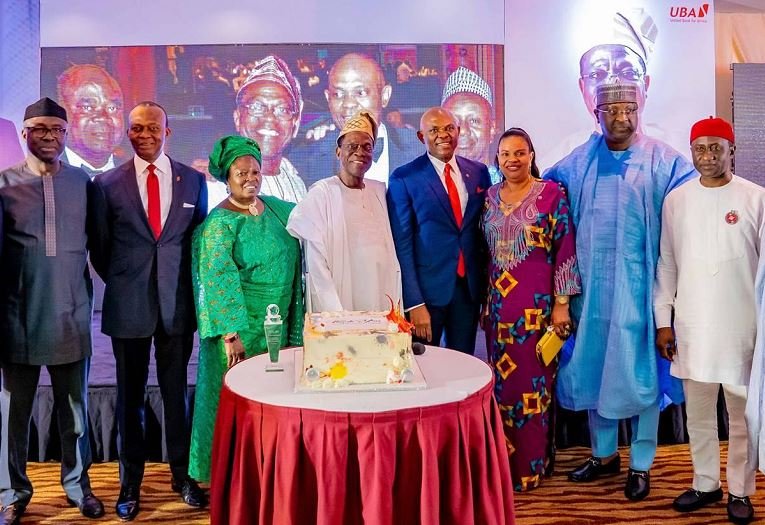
pixel 144 213
pixel 355 83
pixel 435 204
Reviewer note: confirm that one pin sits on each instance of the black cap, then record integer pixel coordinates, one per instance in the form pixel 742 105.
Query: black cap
pixel 45 107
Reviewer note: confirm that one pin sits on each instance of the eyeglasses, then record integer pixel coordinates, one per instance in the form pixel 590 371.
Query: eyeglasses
pixel 258 109
pixel 613 111
pixel 39 132
pixel 626 75
pixel 352 147
pixel 435 131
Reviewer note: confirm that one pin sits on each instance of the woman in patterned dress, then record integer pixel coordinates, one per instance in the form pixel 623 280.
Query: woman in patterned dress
pixel 243 259
pixel 532 273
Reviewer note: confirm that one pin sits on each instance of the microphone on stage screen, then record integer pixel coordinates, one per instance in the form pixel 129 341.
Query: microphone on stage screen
pixel 418 348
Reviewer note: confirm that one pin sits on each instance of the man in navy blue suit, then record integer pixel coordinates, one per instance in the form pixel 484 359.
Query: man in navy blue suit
pixel 435 205
pixel 142 215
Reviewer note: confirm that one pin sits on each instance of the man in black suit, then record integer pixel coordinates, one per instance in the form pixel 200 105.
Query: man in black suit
pixel 356 83
pixel 144 213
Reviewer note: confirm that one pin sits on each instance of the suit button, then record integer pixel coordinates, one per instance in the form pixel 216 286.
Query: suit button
pixel 159 245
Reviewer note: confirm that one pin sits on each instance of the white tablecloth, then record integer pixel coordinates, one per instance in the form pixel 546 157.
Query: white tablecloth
pixel 450 375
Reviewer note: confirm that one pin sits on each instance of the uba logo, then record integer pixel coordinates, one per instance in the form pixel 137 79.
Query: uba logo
pixel 688 14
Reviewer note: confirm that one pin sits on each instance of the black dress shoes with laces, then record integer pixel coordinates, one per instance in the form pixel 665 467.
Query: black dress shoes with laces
pixel 90 506
pixel 128 503
pixel 594 468
pixel 692 499
pixel 740 510
pixel 11 514
pixel 638 484
pixel 191 493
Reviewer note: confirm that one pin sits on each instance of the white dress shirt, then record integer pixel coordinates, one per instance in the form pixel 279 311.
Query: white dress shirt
pixel 456 177
pixel 73 159
pixel 165 175
pixel 380 169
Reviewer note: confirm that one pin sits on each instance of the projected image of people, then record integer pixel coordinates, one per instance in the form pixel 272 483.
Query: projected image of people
pixel 268 109
pixel 356 82
pixel 469 98
pixel 93 101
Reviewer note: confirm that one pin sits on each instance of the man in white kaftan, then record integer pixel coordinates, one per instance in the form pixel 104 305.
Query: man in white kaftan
pixel 709 251
pixel 343 221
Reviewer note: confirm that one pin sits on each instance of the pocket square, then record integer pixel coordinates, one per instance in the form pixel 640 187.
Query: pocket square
pixel 480 189
pixel 187 205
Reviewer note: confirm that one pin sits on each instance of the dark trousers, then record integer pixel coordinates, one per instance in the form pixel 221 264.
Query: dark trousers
pixel 454 325
pixel 171 354
pixel 70 393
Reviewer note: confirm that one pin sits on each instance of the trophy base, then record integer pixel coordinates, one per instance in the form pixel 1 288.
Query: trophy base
pixel 274 367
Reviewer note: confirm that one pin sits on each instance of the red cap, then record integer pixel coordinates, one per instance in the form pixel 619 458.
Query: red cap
pixel 712 127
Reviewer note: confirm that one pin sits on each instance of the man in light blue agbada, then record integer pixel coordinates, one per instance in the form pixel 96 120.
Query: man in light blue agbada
pixel 616 182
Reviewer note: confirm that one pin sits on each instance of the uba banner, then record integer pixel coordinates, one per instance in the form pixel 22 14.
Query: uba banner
pixel 559 51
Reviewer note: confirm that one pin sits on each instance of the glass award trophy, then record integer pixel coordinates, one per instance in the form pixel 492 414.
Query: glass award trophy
pixel 272 327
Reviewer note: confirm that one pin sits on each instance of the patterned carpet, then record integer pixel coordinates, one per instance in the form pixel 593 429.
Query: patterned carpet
pixel 556 502
pixel 159 504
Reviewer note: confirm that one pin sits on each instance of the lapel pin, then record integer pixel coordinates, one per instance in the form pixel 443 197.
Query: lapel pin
pixel 178 179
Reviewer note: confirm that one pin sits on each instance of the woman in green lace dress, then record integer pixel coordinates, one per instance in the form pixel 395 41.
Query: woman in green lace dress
pixel 243 259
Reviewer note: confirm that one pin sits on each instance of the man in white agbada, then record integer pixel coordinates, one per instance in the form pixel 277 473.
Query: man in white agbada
pixel 710 248
pixel 343 221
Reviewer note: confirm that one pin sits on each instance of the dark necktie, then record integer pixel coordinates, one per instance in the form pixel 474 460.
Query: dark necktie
pixel 153 207
pixel 454 200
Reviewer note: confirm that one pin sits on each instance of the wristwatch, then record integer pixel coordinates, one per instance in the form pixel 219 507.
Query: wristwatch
pixel 230 338
pixel 561 299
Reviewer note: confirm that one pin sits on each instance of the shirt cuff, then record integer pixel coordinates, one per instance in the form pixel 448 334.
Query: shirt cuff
pixel 407 310
pixel 662 316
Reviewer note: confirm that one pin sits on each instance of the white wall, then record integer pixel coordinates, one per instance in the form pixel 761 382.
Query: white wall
pixel 157 22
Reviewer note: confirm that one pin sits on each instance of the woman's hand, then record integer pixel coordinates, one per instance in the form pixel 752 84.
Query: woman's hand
pixel 483 321
pixel 234 352
pixel 561 320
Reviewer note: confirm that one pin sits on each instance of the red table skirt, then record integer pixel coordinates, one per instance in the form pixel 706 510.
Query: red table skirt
pixel 435 465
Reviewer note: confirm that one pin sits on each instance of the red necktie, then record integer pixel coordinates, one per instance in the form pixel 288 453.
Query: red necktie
pixel 454 200
pixel 153 208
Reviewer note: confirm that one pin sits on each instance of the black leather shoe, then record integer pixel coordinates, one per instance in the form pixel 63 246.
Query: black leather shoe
pixel 11 514
pixel 740 510
pixel 90 506
pixel 638 484
pixel 692 499
pixel 190 492
pixel 594 468
pixel 128 503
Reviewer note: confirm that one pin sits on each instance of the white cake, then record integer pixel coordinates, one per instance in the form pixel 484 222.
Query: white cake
pixel 356 348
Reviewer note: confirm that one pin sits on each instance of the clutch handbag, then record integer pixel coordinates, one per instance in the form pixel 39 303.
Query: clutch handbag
pixel 549 346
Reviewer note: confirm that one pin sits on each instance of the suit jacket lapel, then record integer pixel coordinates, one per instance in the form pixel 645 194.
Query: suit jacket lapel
pixel 177 198
pixel 130 183
pixel 471 179
pixel 437 187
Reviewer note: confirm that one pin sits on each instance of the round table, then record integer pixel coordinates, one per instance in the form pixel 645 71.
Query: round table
pixel 432 456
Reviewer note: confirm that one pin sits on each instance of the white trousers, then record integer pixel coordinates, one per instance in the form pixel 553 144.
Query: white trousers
pixel 701 409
